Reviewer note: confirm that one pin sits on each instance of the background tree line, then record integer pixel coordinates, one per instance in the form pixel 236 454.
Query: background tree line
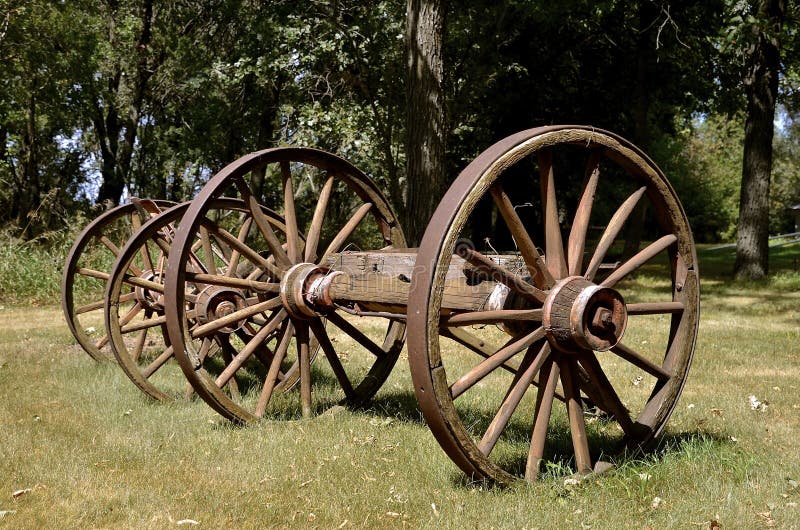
pixel 105 99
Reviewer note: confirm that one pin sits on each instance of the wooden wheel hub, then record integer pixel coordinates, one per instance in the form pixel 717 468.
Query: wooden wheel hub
pixel 215 302
pixel 580 315
pixel 148 298
pixel 306 290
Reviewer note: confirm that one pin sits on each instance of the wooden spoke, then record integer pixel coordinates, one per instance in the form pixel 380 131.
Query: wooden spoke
pixel 110 245
pixel 241 314
pixel 116 251
pixel 144 324
pixel 92 273
pixel 606 389
pixel 554 246
pixel 228 281
pixel 137 217
pixel 515 393
pixel 641 362
pixel 263 224
pixel 654 308
pixel 502 275
pixel 94 306
pixel 147 259
pixel 492 317
pixel 210 263
pixel 102 341
pixel 612 231
pixel 577 426
pixel 346 231
pixel 304 357
pixel 533 260
pixel 478 346
pixel 131 314
pixel 289 214
pixel 141 282
pixel 274 369
pixel 330 352
pixel 228 353
pixel 244 230
pixel 639 259
pixel 162 243
pixel 139 347
pixel 580 225
pixel 487 366
pixel 355 334
pixel 262 352
pixel 316 221
pixel 244 249
pixel 126 318
pixel 252 345
pixel 157 363
pixel 205 349
pixel 541 419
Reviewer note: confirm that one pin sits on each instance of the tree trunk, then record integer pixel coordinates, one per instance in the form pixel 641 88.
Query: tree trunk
pixel 761 89
pixel 117 130
pixel 29 165
pixel 425 114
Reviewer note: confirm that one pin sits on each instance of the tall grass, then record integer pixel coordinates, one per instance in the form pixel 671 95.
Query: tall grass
pixel 30 271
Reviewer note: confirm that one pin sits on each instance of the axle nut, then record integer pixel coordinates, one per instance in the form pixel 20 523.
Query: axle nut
pixel 580 315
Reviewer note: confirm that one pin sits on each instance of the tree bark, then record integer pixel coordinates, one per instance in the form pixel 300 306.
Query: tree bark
pixel 117 128
pixel 29 166
pixel 425 114
pixel 761 89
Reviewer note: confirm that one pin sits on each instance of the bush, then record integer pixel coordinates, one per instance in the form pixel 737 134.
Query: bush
pixel 30 271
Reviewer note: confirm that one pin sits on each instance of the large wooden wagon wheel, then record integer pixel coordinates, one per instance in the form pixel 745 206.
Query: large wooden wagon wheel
pixel 86 271
pixel 552 328
pixel 136 322
pixel 328 206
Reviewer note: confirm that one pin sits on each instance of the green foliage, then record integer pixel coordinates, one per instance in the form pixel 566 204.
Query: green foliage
pixel 217 80
pixel 785 186
pixel 704 164
pixel 30 269
pixel 41 55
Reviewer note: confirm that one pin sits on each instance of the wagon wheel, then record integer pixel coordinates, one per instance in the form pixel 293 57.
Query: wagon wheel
pixel 342 209
pixel 135 315
pixel 83 281
pixel 553 328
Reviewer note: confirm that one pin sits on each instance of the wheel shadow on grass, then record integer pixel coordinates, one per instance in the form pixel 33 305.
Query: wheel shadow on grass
pixel 558 467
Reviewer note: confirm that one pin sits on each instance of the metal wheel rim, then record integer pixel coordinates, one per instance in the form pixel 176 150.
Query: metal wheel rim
pixel 140 375
pixel 95 227
pixel 357 182
pixel 428 373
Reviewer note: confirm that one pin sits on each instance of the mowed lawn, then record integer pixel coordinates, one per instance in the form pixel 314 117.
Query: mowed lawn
pixel 81 447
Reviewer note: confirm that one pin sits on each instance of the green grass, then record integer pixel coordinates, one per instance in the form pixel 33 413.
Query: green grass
pixel 96 453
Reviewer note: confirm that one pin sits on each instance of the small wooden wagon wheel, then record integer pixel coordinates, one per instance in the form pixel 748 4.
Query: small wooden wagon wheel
pixel 552 328
pixel 340 207
pixel 135 316
pixel 86 271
